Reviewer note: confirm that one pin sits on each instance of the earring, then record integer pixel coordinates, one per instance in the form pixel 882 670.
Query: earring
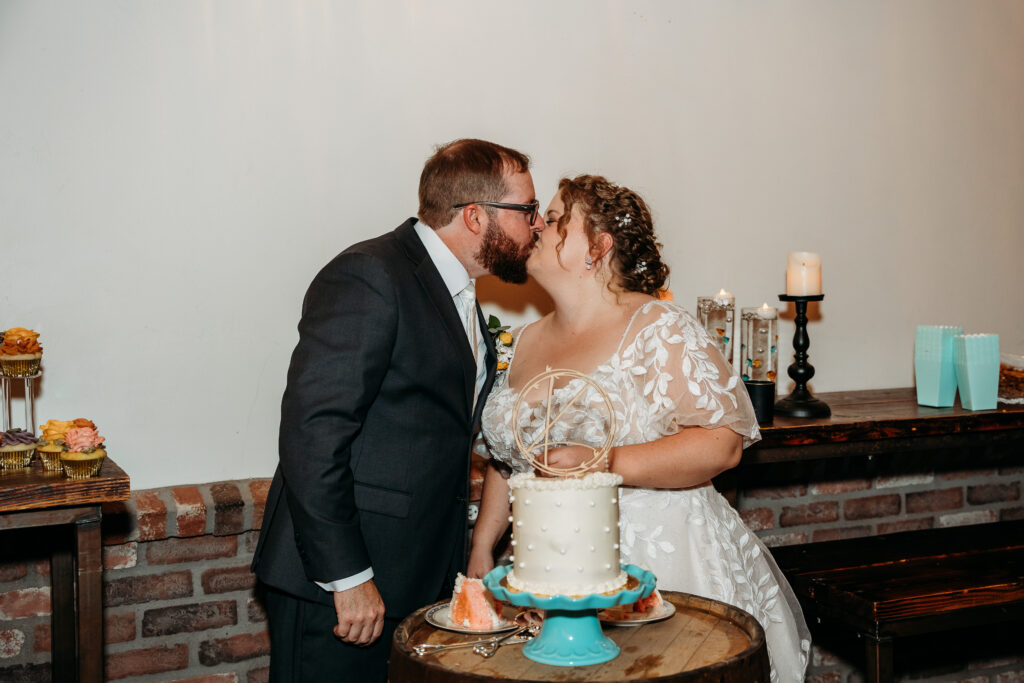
pixel 590 263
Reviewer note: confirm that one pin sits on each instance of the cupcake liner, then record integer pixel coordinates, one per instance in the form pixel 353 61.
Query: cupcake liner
pixel 19 367
pixel 82 468
pixel 17 457
pixel 51 459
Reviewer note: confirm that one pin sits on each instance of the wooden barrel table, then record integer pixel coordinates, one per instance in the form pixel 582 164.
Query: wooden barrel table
pixel 704 641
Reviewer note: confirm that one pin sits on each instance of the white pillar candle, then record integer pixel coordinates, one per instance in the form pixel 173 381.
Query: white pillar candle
pixel 766 312
pixel 803 273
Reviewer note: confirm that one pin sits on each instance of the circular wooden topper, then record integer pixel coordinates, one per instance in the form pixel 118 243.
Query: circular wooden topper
pixel 704 641
pixel 543 442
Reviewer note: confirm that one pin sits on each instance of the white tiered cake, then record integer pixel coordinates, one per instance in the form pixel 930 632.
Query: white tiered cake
pixel 565 534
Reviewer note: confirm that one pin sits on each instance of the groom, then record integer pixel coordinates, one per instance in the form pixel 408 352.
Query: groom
pixel 366 516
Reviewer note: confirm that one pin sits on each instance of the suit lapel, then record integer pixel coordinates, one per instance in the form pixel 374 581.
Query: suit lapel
pixel 443 303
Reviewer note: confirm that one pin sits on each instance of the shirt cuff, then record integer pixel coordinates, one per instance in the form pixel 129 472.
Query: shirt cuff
pixel 351 582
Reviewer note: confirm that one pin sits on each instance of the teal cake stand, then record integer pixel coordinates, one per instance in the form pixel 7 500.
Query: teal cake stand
pixel 571 635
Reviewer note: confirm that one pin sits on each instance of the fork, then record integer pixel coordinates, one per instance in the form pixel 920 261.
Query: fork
pixel 431 648
pixel 488 648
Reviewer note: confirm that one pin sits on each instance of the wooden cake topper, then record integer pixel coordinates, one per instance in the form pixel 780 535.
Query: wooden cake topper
pixel 536 452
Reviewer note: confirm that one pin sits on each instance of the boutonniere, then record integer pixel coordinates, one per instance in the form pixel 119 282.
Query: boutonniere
pixel 502 340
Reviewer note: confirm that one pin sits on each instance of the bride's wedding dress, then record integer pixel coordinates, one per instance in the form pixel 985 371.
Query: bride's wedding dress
pixel 666 375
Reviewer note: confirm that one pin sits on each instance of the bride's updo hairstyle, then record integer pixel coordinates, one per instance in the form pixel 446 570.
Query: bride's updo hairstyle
pixel 623 214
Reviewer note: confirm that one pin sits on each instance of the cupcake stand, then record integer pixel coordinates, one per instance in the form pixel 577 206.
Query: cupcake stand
pixel 6 385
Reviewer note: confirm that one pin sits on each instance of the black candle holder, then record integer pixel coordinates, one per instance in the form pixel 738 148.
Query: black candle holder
pixel 800 402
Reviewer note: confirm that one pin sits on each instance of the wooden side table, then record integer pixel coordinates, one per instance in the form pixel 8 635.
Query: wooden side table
pixel 34 497
pixel 705 641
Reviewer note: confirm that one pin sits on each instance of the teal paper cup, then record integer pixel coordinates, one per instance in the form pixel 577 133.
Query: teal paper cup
pixel 977 370
pixel 934 369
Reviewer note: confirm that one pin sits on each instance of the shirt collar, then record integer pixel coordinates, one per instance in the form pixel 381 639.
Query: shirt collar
pixel 452 272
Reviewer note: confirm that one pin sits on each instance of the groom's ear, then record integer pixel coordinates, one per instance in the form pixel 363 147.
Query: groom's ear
pixel 473 218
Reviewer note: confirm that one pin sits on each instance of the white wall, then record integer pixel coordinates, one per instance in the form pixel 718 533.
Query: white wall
pixel 173 173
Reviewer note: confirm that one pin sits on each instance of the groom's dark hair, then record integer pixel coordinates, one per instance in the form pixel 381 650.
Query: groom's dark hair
pixel 463 171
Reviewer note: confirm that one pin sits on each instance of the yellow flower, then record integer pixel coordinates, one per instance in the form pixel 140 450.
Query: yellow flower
pixel 502 365
pixel 505 339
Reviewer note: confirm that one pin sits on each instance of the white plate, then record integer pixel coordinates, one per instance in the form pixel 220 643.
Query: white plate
pixel 659 613
pixel 439 616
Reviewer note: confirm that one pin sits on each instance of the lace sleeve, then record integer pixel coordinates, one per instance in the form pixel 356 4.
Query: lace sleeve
pixel 683 378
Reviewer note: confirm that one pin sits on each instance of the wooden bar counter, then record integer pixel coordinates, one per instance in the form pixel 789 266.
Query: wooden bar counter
pixel 33 497
pixel 880 421
pixel 704 641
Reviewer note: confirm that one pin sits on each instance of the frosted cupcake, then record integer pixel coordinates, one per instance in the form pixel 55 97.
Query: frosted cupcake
pixel 20 352
pixel 84 455
pixel 16 448
pixel 51 442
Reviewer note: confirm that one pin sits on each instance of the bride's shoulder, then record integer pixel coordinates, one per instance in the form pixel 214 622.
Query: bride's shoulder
pixel 659 314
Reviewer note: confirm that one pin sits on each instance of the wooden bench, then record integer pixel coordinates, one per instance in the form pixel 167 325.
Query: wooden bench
pixel 910 583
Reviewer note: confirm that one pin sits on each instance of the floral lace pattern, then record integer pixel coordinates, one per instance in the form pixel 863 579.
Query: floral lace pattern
pixel 667 375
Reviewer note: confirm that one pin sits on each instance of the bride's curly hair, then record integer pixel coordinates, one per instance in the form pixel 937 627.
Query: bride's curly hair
pixel 623 214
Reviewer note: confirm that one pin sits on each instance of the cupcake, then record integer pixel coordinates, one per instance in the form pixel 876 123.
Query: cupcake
pixel 51 442
pixel 20 352
pixel 16 448
pixel 84 455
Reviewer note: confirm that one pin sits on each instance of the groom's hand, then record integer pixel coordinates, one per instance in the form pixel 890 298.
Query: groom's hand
pixel 360 614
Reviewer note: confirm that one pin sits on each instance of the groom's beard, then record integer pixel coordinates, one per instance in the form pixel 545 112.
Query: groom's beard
pixel 502 257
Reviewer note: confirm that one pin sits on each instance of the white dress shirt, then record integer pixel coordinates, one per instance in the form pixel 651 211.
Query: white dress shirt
pixel 455 279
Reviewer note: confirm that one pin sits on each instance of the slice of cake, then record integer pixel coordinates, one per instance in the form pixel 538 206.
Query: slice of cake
pixel 636 609
pixel 474 607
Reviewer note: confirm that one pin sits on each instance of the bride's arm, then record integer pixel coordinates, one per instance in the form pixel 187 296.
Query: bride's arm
pixel 490 524
pixel 690 457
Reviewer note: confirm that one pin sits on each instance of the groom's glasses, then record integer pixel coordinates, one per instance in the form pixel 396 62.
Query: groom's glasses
pixel 530 209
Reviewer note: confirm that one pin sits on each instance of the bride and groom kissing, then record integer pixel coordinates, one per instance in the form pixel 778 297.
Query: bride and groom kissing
pixel 394 373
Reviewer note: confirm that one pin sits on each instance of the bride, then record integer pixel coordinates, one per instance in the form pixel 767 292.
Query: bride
pixel 682 416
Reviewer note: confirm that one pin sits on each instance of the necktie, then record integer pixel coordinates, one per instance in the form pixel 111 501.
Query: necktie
pixel 467 298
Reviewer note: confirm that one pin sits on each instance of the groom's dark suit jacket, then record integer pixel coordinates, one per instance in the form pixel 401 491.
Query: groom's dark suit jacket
pixel 376 429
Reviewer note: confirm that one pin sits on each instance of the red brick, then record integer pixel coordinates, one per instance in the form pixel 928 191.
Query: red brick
pixel 993 493
pixel 117 628
pixel 27 602
pixel 227 579
pixel 257 614
pixel 983 516
pixel 832 488
pixel 931 501
pixel 758 519
pixel 179 550
pixel 132 590
pixel 811 513
pixel 149 661
pixel 212 678
pixel 250 539
pixel 906 525
pixel 258 489
pixel 1011 514
pixel 43 568
pixel 190 511
pixel 11 642
pixel 41 638
pixel 234 649
pixel 959 475
pixel 151 514
pixel 167 621
pixel 12 571
pixel 261 675
pixel 842 532
pixel 124 556
pixel 776 492
pixel 228 509
pixel 872 506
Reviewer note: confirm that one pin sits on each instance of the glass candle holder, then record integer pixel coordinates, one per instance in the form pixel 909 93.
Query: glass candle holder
pixel 717 314
pixel 759 339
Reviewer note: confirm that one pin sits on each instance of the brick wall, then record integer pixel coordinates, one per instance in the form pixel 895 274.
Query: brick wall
pixel 180 604
pixel 178 596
